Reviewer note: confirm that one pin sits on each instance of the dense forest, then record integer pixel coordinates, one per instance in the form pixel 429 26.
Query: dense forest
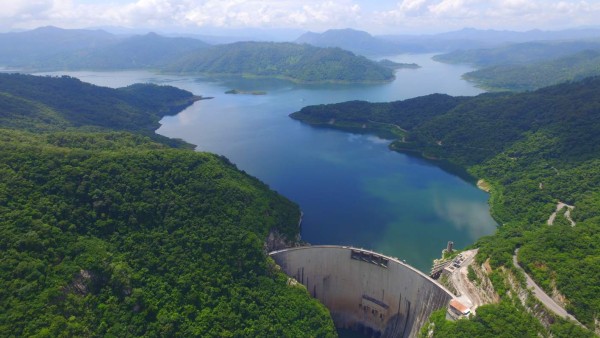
pixel 302 63
pixel 534 149
pixel 56 103
pixel 111 233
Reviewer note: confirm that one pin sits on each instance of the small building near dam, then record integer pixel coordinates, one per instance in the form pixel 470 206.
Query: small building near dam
pixel 364 290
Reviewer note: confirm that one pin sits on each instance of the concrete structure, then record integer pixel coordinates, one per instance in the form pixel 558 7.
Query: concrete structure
pixel 450 247
pixel 457 310
pixel 365 291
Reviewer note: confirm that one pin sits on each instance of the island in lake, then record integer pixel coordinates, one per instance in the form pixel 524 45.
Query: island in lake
pixel 397 65
pixel 246 92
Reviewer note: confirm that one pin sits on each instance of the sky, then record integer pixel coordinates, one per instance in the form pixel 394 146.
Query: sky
pixel 374 16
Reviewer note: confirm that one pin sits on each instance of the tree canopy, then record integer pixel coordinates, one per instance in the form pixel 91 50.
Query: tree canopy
pixel 106 233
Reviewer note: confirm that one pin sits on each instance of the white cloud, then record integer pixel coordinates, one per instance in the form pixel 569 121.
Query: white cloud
pixel 437 15
pixel 412 5
pixel 388 16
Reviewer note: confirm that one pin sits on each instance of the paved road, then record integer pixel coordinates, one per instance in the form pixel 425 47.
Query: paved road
pixel 548 302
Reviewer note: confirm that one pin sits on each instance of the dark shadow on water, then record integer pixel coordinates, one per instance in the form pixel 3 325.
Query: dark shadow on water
pixel 448 167
pixel 347 333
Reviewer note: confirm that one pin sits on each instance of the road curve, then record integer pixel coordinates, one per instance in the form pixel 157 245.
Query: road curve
pixel 542 296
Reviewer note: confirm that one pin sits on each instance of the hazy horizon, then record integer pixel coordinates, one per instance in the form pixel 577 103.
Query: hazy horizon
pixel 290 17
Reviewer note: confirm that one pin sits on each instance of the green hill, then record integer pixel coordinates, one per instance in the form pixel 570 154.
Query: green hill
pixel 519 53
pixel 535 149
pixel 108 233
pixel 538 74
pixel 302 63
pixel 58 103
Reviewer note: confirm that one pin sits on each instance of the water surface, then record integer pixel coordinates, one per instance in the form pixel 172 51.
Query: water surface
pixel 352 189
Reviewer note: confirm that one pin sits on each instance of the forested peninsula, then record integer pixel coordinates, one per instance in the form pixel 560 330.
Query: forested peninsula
pixel 534 150
pixel 301 63
pixel 530 65
pixel 105 231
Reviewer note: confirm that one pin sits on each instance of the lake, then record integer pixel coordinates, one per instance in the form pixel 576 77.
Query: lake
pixel 351 188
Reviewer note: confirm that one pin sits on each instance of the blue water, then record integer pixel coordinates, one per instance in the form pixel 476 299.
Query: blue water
pixel 351 188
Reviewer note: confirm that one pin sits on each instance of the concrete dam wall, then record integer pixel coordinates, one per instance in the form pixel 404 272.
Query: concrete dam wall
pixel 365 291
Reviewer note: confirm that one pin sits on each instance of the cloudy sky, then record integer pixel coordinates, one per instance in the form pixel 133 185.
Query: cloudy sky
pixel 375 16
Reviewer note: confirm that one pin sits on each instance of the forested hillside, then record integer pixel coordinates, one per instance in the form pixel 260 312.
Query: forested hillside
pixel 520 53
pixel 49 103
pixel 296 62
pixel 108 233
pixel 538 74
pixel 534 149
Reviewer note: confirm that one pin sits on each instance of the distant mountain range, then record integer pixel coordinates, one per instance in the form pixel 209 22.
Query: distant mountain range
pixel 51 48
pixel 329 57
pixel 140 51
pixel 519 53
pixel 363 43
pixel 530 76
pixel 355 41
pixel 529 65
pixel 23 48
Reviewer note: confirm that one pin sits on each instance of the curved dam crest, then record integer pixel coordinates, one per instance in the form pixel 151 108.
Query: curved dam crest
pixel 364 290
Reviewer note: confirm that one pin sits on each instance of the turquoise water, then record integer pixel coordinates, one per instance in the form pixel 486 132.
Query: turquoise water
pixel 351 188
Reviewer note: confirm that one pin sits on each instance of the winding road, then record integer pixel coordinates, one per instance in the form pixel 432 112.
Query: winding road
pixel 542 296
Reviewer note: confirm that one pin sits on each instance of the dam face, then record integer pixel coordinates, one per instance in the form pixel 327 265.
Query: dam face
pixel 364 290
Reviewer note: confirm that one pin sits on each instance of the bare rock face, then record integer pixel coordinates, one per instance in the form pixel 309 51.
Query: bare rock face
pixel 85 282
pixel 276 241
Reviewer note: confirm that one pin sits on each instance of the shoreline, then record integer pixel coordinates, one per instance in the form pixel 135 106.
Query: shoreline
pixel 484 185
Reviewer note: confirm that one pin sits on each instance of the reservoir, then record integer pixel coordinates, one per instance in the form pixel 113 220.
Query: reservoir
pixel 351 188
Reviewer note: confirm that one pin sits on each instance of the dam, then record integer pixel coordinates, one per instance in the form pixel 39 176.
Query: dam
pixel 365 291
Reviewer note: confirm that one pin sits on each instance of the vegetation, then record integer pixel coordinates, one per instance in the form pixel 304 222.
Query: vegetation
pixel 246 92
pixel 534 149
pixel 302 63
pixel 109 233
pixel 398 65
pixel 51 48
pixel 494 320
pixel 538 74
pixel 50 103
pixel 380 118
pixel 520 53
